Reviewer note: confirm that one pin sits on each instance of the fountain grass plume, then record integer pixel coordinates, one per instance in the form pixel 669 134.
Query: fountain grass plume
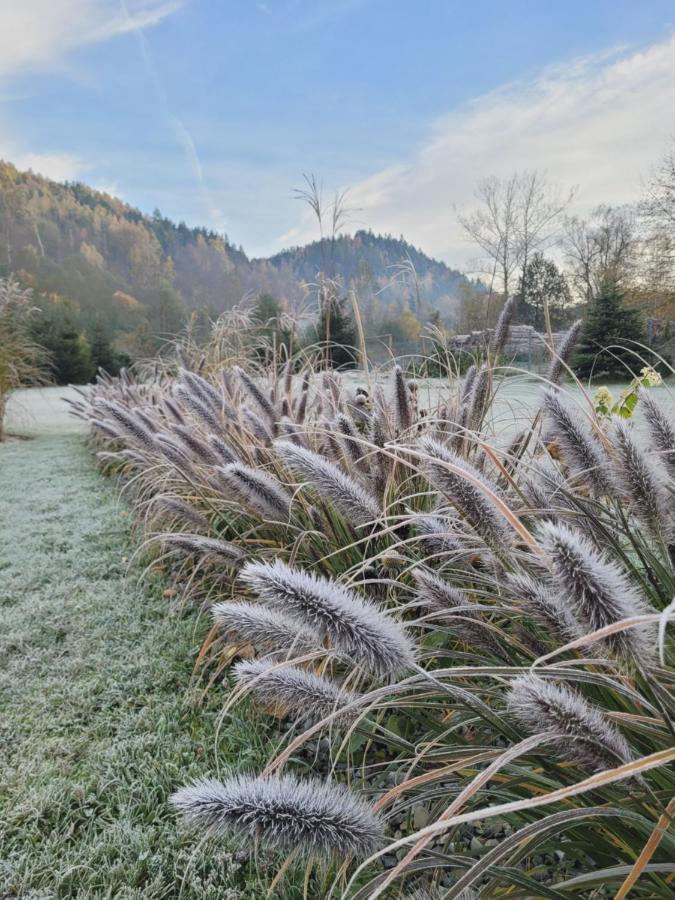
pixel 640 479
pixel 584 734
pixel 264 628
pixel 173 506
pixel 206 391
pixel 480 392
pixel 661 428
pixel 463 615
pixel 197 406
pixel 296 691
pixel 563 353
pixel 581 450
pixel 284 813
pixel 470 501
pixel 257 426
pixel 301 410
pixel 128 423
pixel 545 604
pixel 501 333
pixel 254 392
pixel 468 382
pixel 225 452
pixel 200 450
pixel 174 451
pixel 401 400
pixel 173 410
pixel 259 492
pixel 107 429
pixel 545 488
pixel 355 627
pixel 355 503
pixel 598 591
pixel 349 435
pixel 437 539
pixel 201 545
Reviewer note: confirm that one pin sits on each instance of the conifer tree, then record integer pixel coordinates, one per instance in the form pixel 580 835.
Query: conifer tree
pixel 336 332
pixel 607 347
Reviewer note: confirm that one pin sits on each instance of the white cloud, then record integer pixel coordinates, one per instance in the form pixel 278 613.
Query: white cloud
pixel 58 166
pixel 38 35
pixel 597 123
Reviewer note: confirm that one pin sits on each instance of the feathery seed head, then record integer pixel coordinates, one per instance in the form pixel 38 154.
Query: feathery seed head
pixel 582 451
pixel 639 479
pixel 225 452
pixel 501 333
pixel 298 692
pixel 586 735
pixel 563 353
pixel 480 392
pixel 261 493
pixel 438 539
pixel 467 384
pixel 202 451
pixel 174 506
pixel 284 813
pixel 662 429
pixel 401 400
pixel 257 395
pixel 204 546
pixel 469 500
pixel 349 434
pixel 199 408
pixel 597 590
pixel 462 614
pixel 354 626
pixel 128 423
pixel 545 604
pixel 264 628
pixel 330 482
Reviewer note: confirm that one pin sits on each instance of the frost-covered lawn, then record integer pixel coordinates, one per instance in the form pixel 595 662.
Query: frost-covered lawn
pixel 97 722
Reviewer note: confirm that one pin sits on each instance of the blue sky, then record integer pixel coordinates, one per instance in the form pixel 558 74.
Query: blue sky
pixel 212 110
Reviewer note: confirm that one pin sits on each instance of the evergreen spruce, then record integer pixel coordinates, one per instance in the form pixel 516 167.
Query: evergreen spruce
pixel 336 324
pixel 607 346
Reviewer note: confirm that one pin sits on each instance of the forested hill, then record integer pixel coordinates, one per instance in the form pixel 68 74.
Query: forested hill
pixel 366 260
pixel 106 265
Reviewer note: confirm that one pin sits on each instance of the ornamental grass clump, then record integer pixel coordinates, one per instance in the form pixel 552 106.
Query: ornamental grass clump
pixel 461 637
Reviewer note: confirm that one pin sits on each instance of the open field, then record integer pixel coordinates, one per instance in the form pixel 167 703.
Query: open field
pixel 99 724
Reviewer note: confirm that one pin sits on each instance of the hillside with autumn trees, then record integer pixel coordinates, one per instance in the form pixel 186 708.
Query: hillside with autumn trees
pixel 103 271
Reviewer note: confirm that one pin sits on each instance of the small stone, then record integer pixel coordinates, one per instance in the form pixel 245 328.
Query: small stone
pixel 421 816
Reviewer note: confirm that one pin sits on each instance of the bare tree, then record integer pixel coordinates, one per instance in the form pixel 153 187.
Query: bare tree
pixel 516 217
pixel 492 226
pixel 602 252
pixel 539 210
pixel 657 212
